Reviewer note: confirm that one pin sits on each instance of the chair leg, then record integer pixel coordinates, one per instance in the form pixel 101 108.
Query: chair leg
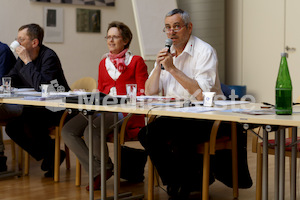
pixel 156 177
pixel 234 160
pixel 12 143
pixel 259 174
pixel 26 164
pixel 205 181
pixel 68 162
pixel 119 165
pixel 290 161
pixel 78 173
pixel 57 155
pixel 20 158
pixel 150 180
pixel 13 150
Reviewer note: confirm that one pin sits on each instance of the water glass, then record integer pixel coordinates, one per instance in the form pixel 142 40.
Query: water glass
pixel 6 83
pixel 45 90
pixel 131 90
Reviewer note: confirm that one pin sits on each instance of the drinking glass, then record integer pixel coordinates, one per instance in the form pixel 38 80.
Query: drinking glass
pixel 6 83
pixel 131 90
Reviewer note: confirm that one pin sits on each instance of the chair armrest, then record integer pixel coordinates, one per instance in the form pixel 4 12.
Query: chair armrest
pixel 62 120
pixel 123 129
pixel 151 118
pixel 255 139
pixel 213 136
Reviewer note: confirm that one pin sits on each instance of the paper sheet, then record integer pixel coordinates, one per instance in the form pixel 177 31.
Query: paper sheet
pixel 195 109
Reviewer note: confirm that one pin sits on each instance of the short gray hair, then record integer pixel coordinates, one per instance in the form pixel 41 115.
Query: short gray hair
pixel 184 15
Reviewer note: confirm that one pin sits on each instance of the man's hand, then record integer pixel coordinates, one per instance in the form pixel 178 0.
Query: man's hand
pixel 165 58
pixel 23 54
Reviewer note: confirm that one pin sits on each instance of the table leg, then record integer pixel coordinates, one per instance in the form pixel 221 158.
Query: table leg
pixel 116 158
pixel 91 176
pixel 282 164
pixel 126 195
pixel 276 171
pixel 265 166
pixel 293 165
pixel 234 161
pixel 103 163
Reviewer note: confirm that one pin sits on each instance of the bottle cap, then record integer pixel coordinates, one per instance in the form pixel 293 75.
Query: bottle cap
pixel 284 54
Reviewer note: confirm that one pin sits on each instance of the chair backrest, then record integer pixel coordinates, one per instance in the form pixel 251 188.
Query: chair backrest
pixel 226 90
pixel 86 83
pixel 259 131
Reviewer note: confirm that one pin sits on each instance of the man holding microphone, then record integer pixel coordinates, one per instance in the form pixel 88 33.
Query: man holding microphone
pixel 190 68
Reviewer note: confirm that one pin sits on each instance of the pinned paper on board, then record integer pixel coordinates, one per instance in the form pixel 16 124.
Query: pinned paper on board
pixel 53 25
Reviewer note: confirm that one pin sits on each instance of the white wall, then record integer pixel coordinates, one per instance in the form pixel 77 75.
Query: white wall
pixel 257 31
pixel 263 41
pixel 233 50
pixel 80 53
pixel 208 18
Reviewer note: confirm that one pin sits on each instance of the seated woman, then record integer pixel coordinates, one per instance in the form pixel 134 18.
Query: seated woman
pixel 118 68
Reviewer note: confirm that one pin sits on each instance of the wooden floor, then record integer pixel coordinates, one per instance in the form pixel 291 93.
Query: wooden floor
pixel 35 186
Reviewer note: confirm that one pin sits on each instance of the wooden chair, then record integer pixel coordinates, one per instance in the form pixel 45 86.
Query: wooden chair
pixel 13 146
pixel 257 147
pixel 122 138
pixel 13 151
pixel 86 83
pixel 12 143
pixel 208 148
pixel 54 134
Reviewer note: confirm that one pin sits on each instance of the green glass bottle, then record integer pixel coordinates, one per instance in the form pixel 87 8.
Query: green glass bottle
pixel 284 89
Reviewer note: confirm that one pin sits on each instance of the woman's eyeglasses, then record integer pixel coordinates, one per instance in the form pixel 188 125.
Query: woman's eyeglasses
pixel 114 37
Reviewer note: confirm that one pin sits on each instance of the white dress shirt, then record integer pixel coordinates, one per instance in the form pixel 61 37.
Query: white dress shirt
pixel 199 62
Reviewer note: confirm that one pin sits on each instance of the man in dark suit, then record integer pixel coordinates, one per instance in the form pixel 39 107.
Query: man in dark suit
pixel 36 65
pixel 7 61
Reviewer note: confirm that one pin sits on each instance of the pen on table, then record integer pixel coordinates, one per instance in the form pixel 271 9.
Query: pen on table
pixel 268 104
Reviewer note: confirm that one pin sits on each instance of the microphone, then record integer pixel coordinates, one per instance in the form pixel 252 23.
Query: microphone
pixel 168 44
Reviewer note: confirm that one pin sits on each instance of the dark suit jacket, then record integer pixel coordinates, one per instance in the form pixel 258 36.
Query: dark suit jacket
pixel 7 60
pixel 45 69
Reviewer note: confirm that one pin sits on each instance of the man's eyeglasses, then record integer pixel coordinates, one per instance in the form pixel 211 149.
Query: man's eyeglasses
pixel 112 37
pixel 175 28
pixel 20 40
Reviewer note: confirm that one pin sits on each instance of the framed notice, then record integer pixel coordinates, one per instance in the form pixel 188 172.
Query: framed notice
pixel 88 20
pixel 53 25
